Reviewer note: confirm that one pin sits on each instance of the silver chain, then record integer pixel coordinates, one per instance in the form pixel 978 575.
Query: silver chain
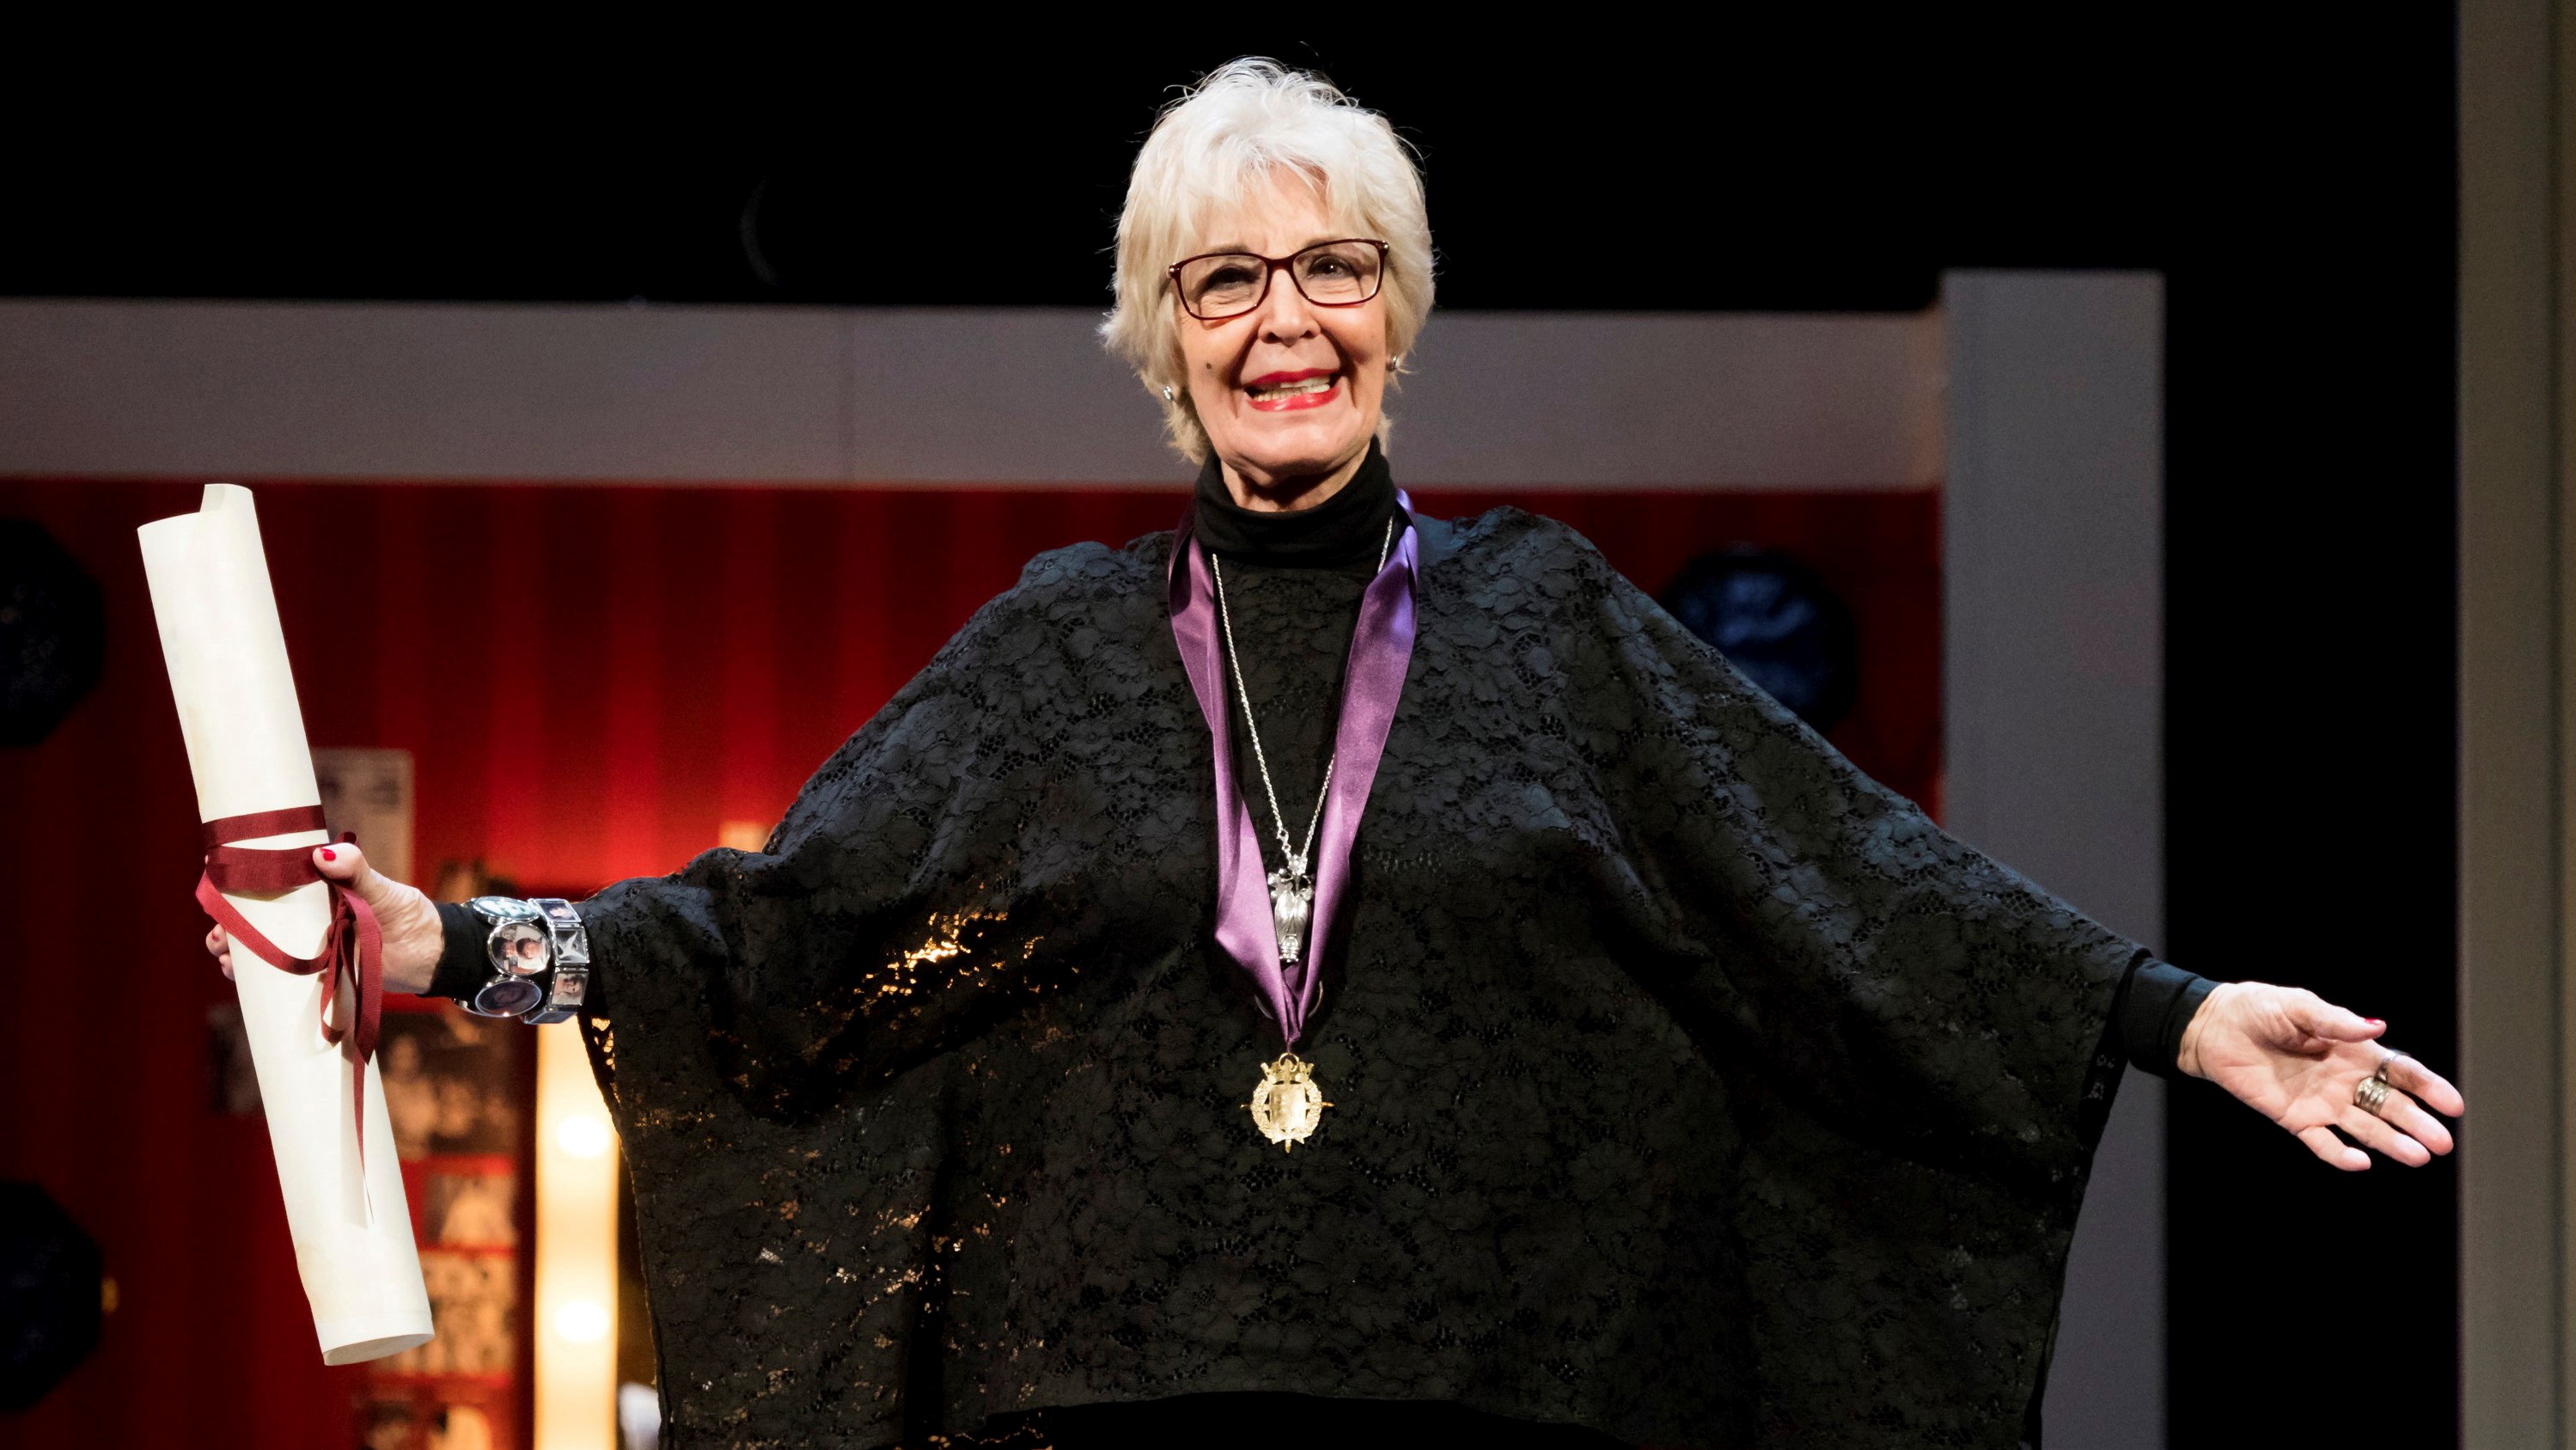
pixel 1278 818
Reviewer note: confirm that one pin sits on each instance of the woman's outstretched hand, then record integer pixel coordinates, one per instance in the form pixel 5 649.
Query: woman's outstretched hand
pixel 413 937
pixel 2297 1059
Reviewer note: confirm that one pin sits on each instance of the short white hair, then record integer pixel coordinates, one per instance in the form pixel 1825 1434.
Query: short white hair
pixel 1231 130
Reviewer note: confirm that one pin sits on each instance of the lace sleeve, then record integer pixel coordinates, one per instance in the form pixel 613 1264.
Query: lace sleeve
pixel 1902 985
pixel 872 930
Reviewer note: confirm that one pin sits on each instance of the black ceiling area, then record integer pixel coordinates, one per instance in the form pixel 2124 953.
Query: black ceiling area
pixel 1835 167
pixel 2290 173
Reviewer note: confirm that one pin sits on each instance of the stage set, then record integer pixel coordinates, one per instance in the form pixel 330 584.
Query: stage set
pixel 729 632
pixel 553 598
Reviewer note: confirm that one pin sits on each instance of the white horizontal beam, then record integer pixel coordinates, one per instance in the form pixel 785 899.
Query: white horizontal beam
pixel 616 393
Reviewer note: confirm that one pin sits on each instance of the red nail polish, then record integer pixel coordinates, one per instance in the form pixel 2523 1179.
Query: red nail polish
pixel 2375 1022
pixel 330 855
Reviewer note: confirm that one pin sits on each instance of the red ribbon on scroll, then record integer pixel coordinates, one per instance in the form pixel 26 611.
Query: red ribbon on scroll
pixel 353 949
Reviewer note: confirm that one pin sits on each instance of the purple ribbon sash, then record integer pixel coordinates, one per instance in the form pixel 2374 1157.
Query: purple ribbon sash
pixel 1381 651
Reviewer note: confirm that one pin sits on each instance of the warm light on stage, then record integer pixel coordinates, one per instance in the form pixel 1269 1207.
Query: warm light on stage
pixel 576 1268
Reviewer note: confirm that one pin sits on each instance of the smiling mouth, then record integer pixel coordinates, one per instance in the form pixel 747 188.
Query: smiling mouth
pixel 1274 394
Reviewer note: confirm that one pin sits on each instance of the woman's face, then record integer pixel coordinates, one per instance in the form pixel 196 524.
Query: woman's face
pixel 1284 442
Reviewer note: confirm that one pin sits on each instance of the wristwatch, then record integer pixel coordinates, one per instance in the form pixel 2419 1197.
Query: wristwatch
pixel 518 949
pixel 571 953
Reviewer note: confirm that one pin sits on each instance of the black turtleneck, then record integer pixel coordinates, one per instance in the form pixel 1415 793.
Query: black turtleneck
pixel 1344 531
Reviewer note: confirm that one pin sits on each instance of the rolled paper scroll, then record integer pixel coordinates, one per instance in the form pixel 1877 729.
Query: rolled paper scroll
pixel 237 709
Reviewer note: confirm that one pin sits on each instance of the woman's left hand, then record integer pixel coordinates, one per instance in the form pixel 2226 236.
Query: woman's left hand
pixel 2298 1059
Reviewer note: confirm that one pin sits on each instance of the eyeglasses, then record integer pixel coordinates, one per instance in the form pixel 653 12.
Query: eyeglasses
pixel 1218 285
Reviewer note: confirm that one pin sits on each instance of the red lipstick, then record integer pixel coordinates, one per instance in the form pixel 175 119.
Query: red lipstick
pixel 1301 398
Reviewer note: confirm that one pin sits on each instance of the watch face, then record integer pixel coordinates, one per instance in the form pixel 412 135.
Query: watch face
pixel 507 998
pixel 518 947
pixel 508 908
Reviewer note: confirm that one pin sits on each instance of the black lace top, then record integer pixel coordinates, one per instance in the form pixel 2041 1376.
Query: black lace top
pixel 1688 1087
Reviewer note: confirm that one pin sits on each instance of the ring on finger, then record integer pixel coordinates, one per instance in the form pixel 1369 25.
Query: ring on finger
pixel 2370 1095
pixel 2387 1060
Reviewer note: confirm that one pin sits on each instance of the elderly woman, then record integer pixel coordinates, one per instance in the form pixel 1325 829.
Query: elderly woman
pixel 1332 972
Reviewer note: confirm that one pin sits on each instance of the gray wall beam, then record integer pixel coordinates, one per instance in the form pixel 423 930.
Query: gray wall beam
pixel 890 396
pixel 2515 1353
pixel 2053 703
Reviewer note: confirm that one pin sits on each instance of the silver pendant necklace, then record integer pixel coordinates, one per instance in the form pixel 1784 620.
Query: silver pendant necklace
pixel 1292 886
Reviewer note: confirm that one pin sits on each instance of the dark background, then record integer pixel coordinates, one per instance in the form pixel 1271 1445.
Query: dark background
pixel 2293 178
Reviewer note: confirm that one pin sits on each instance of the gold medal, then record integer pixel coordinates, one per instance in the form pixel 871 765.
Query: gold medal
pixel 1288 1104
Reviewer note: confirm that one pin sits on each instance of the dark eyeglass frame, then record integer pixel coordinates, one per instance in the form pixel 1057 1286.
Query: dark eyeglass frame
pixel 1274 266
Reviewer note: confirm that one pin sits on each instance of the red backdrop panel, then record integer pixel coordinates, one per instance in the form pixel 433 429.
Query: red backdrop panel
pixel 591 679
